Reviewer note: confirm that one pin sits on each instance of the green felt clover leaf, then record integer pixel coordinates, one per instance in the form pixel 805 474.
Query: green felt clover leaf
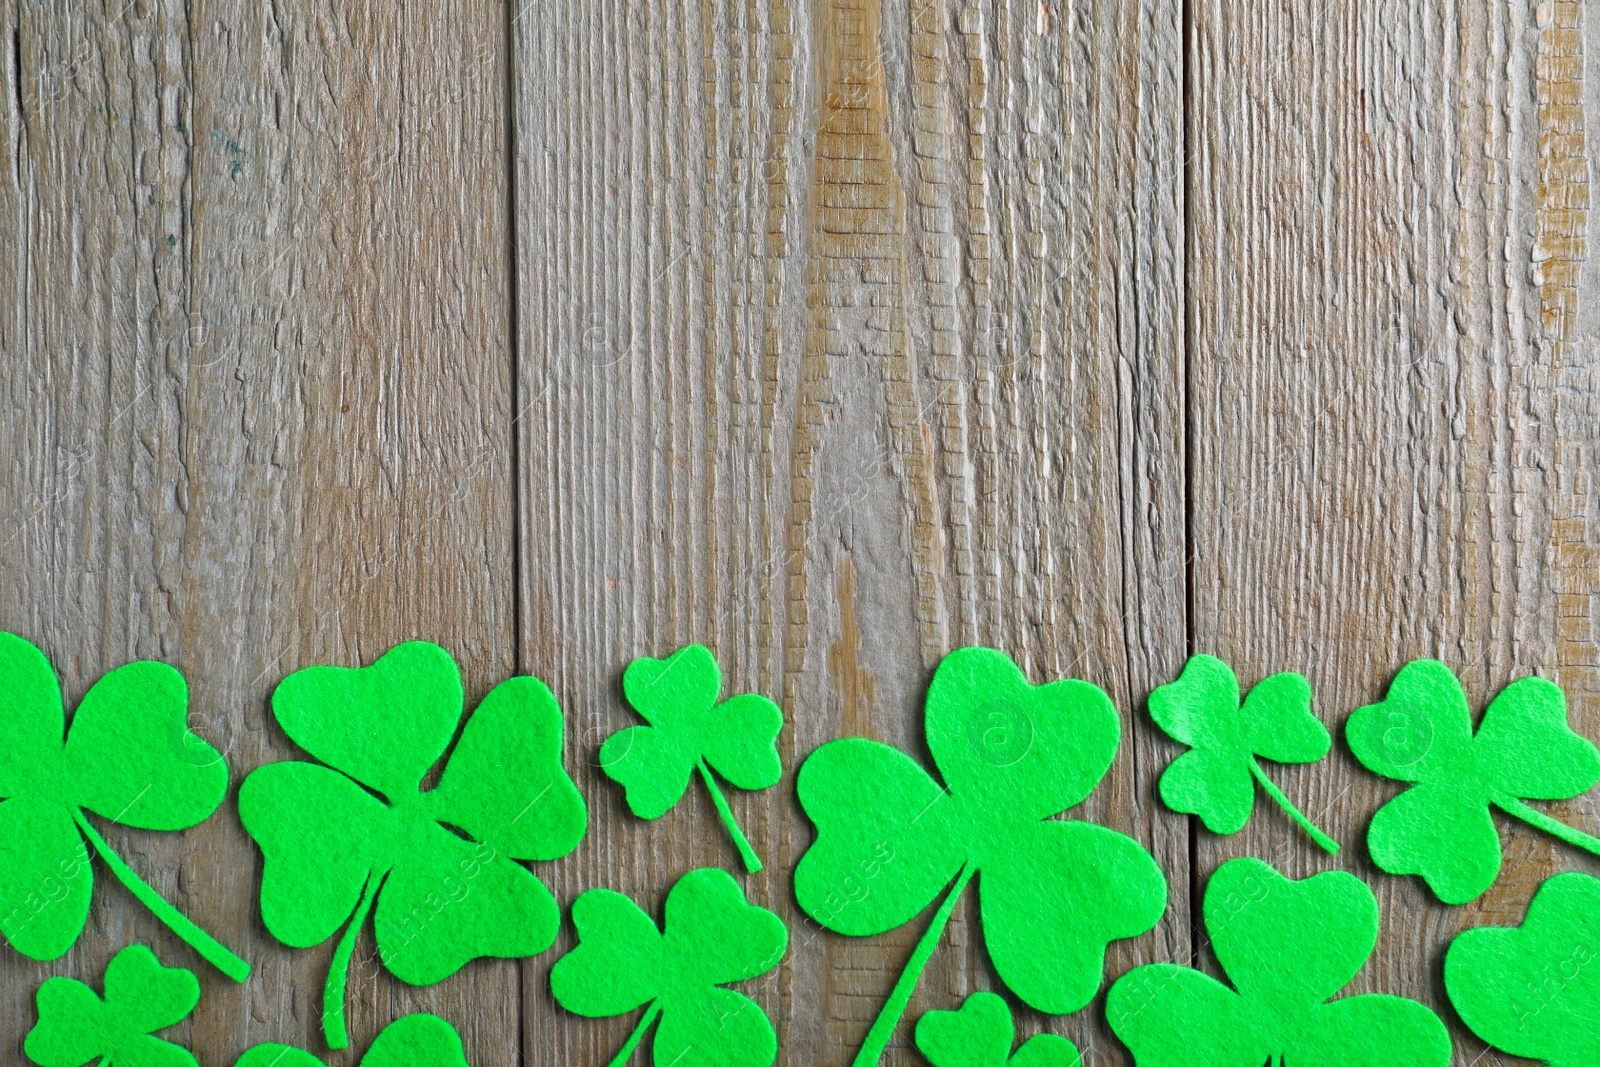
pixel 711 937
pixel 1053 893
pixel 129 758
pixel 1287 946
pixel 979 1034
pixel 1441 827
pixel 413 1041
pixel 690 731
pixel 1213 779
pixel 360 834
pixel 76 1025
pixel 1534 990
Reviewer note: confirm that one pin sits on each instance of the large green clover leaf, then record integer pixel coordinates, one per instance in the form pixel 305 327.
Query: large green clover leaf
pixel 711 937
pixel 1534 990
pixel 77 1025
pixel 412 1041
pixel 1287 946
pixel 980 1033
pixel 1214 778
pixel 689 730
pixel 360 834
pixel 1441 827
pixel 129 758
pixel 1052 893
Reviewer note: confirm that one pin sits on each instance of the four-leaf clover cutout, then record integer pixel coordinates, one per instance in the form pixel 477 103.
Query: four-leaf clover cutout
pixel 1052 892
pixel 689 730
pixel 77 1025
pixel 129 758
pixel 1534 990
pixel 980 1033
pixel 1441 827
pixel 1287 946
pixel 1216 778
pixel 711 937
pixel 356 833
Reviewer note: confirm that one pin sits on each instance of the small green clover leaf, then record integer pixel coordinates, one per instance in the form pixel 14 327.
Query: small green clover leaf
pixel 690 731
pixel 1213 779
pixel 1053 893
pixel 711 937
pixel 979 1034
pixel 1287 946
pixel 76 1025
pixel 1441 827
pixel 413 1041
pixel 1534 990
pixel 129 758
pixel 360 834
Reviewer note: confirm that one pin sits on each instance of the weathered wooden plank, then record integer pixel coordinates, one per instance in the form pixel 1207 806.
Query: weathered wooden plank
pixel 256 339
pixel 847 335
pixel 844 340
pixel 93 527
pixel 1393 391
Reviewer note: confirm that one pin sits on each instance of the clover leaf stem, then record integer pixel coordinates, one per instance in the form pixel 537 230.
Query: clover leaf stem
pixel 752 862
pixel 900 996
pixel 1329 845
pixel 339 969
pixel 637 1036
pixel 211 950
pixel 1534 817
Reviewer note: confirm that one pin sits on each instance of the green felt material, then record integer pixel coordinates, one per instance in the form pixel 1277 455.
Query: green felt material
pixel 979 1034
pixel 1287 946
pixel 1534 990
pixel 689 731
pixel 1216 779
pixel 277 1056
pixel 437 868
pixel 711 937
pixel 1052 893
pixel 76 1025
pixel 413 1041
pixel 129 758
pixel 1441 827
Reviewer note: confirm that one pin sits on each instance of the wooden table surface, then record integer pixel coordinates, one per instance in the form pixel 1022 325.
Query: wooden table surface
pixel 831 334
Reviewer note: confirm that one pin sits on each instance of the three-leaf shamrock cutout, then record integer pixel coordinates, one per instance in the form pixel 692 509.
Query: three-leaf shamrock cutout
pixel 76 1025
pixel 980 1033
pixel 1287 946
pixel 1214 778
pixel 711 937
pixel 412 1041
pixel 1534 990
pixel 890 838
pixel 1441 827
pixel 128 758
pixel 689 730
pixel 357 833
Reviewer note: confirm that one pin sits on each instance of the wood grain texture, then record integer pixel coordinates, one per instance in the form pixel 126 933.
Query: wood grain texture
pixel 848 333
pixel 1394 392
pixel 257 384
pixel 831 334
